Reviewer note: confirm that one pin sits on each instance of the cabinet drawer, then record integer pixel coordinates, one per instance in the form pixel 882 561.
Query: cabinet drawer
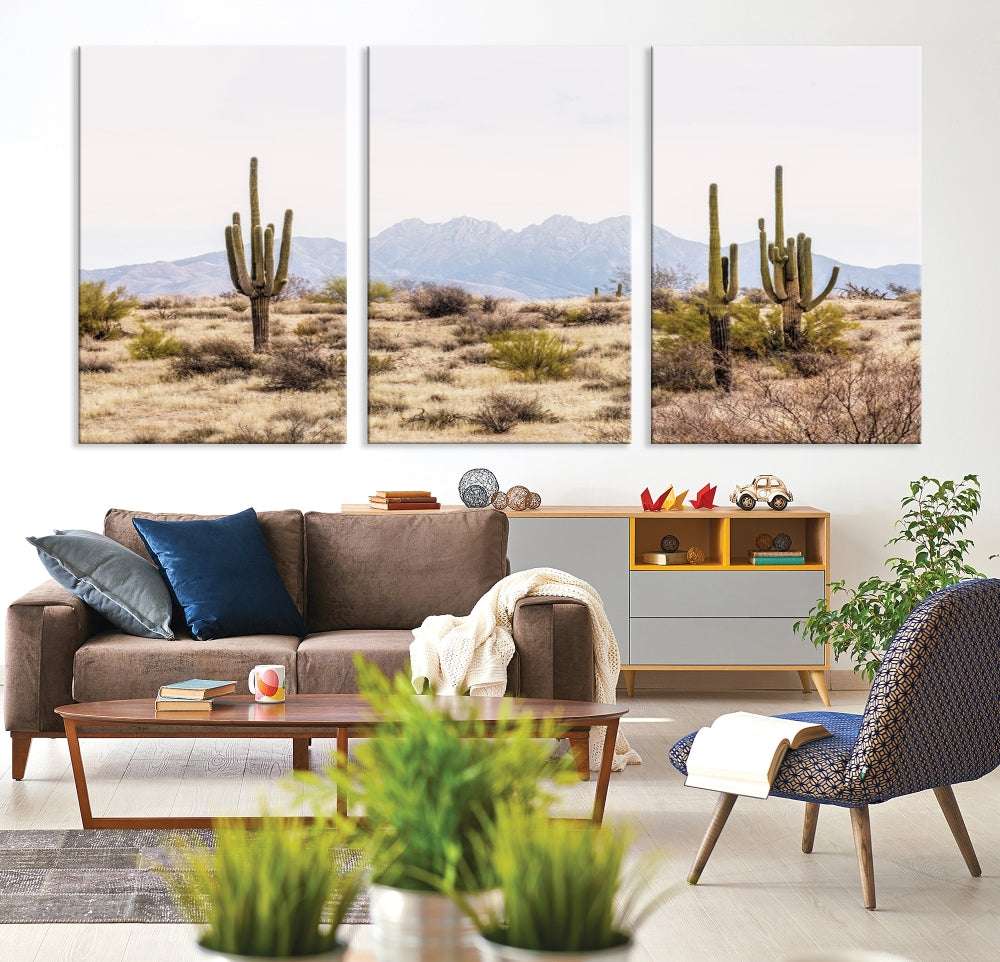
pixel 720 641
pixel 708 594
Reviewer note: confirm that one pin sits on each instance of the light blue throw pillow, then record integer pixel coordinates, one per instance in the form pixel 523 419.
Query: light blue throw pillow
pixel 121 585
pixel 223 575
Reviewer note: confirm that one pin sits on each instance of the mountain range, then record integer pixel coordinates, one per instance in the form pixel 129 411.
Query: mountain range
pixel 560 257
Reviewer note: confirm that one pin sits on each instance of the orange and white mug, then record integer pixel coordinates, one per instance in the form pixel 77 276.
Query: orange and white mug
pixel 267 683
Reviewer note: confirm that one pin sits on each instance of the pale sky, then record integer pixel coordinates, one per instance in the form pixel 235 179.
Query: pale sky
pixel 512 134
pixel 166 137
pixel 843 122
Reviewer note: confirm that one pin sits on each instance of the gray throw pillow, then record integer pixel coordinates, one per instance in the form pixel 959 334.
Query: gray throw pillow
pixel 123 586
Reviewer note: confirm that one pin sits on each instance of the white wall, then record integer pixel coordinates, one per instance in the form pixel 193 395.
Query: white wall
pixel 51 481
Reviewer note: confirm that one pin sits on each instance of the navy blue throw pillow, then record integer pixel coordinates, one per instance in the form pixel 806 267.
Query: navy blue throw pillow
pixel 223 575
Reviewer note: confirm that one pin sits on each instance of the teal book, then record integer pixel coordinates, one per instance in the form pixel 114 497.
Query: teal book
pixel 196 688
pixel 793 560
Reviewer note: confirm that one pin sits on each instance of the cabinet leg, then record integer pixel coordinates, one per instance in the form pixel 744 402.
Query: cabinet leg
pixel 806 684
pixel 629 682
pixel 819 680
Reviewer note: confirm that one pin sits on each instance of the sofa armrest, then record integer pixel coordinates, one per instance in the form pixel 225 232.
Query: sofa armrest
pixel 554 641
pixel 44 629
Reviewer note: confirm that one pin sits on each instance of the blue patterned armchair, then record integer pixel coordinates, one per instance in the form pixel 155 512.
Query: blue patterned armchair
pixel 932 720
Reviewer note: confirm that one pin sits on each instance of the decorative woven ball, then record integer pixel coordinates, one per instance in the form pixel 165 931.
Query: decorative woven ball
pixel 517 497
pixel 695 555
pixel 534 500
pixel 669 543
pixel 782 541
pixel 477 487
pixel 500 500
pixel 763 542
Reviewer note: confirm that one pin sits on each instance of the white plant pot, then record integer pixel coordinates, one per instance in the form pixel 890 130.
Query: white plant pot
pixel 419 927
pixel 331 955
pixel 495 952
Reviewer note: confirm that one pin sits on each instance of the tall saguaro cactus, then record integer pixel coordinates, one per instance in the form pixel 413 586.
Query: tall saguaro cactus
pixel 722 290
pixel 791 259
pixel 263 281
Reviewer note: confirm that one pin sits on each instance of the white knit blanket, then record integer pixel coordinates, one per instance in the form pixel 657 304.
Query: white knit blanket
pixel 470 654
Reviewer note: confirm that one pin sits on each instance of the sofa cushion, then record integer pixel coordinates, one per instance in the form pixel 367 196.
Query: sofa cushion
pixel 282 532
pixel 325 661
pixel 393 570
pixel 124 587
pixel 112 665
pixel 222 574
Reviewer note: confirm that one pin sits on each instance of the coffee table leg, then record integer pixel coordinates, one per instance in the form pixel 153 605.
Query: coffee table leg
pixel 79 775
pixel 604 775
pixel 300 754
pixel 342 734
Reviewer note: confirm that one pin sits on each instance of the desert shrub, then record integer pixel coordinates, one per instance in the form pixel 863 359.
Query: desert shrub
pixel 532 355
pixel 164 307
pixel 440 300
pixel 476 326
pixel 754 334
pixel 379 292
pixel 217 355
pixel 614 412
pixel 151 344
pixel 823 330
pixel 321 329
pixel 687 319
pixel 501 411
pixel 489 303
pixel 332 291
pixel 101 310
pixel 433 420
pixel 682 365
pixel 380 363
pixel 301 368
pixel 94 363
pixel 803 363
pixel 441 375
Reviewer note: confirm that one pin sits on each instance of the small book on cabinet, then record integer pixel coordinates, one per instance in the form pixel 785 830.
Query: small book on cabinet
pixel 742 751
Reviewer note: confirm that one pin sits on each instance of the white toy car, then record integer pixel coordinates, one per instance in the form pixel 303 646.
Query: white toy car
pixel 765 487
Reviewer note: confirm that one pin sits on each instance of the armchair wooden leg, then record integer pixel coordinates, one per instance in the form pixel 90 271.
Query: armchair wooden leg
pixel 861 824
pixel 949 805
pixel 722 809
pixel 809 826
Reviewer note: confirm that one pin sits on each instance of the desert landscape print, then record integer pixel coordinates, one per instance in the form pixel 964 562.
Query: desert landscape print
pixel 786 288
pixel 212 305
pixel 499 306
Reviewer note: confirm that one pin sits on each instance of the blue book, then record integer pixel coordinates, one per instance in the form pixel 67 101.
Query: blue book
pixel 196 688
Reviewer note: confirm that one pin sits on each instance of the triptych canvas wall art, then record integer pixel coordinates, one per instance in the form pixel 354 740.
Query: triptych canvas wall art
pixel 785 288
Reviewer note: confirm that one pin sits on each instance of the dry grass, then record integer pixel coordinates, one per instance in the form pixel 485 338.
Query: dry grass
pixel 432 380
pixel 873 397
pixel 124 401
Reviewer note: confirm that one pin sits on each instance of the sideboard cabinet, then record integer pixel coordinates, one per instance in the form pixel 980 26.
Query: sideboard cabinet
pixel 720 612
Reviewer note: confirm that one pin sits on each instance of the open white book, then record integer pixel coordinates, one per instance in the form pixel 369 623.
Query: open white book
pixel 742 751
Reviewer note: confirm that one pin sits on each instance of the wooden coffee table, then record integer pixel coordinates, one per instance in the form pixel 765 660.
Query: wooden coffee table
pixel 301 718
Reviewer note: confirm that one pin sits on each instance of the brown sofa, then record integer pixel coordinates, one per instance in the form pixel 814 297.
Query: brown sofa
pixel 362 582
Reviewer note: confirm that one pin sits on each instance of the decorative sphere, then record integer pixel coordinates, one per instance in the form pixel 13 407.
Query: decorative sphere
pixel 669 542
pixel 534 500
pixel 517 497
pixel 695 555
pixel 782 541
pixel 500 500
pixel 477 487
pixel 764 542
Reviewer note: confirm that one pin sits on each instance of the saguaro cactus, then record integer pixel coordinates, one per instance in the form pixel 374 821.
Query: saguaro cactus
pixel 791 258
pixel 723 287
pixel 263 281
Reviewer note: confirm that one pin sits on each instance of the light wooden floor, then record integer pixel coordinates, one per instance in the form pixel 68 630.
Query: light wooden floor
pixel 760 898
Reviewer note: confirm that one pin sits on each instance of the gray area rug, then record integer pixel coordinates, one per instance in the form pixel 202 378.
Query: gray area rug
pixel 97 875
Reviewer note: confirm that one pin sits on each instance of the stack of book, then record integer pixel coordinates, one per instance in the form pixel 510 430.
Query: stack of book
pixel 403 501
pixel 195 694
pixel 776 557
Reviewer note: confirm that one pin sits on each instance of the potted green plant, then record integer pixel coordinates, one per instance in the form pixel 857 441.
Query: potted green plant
pixel 275 891
pixel 564 890
pixel 430 786
pixel 936 514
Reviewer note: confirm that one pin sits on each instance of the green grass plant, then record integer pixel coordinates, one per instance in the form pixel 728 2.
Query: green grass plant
pixel 272 891
pixel 532 355
pixel 431 785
